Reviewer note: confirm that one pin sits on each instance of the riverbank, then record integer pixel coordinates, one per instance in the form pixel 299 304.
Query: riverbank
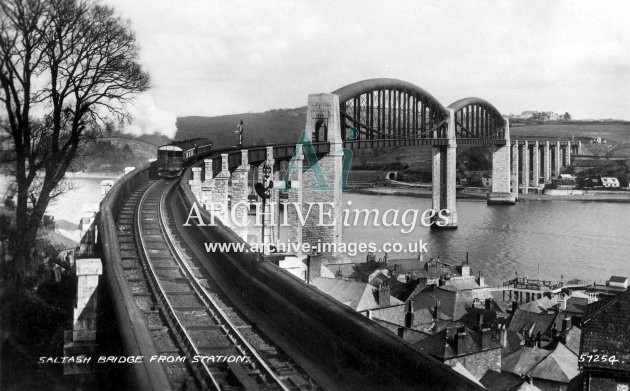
pixel 592 196
pixel 412 192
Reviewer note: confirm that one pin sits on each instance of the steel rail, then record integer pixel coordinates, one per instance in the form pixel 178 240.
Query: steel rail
pixel 210 301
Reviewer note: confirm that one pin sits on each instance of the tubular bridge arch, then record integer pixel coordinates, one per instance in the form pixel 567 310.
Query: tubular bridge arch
pixel 476 118
pixel 390 109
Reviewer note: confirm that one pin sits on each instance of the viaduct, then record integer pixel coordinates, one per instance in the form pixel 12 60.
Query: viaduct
pixel 380 113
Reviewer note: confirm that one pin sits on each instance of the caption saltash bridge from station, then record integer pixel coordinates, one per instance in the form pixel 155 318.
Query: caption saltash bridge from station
pixel 171 297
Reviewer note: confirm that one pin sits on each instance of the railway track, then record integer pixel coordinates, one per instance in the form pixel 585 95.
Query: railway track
pixel 202 339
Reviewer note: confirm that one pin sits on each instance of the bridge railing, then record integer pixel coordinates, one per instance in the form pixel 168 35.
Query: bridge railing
pixel 132 328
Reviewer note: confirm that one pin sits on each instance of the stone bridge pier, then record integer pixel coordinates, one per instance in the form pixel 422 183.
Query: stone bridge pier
pixel 321 181
pixel 239 208
pixel 444 163
pixel 271 213
pixel 502 180
pixel 525 158
pixel 544 160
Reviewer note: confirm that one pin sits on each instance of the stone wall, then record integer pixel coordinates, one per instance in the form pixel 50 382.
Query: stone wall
pixel 323 223
pixel 546 162
pixel 240 192
pixel 220 191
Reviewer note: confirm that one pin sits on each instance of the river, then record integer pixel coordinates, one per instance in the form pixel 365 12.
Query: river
pixel 572 239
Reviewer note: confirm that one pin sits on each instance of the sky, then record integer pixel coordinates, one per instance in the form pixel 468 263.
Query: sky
pixel 210 57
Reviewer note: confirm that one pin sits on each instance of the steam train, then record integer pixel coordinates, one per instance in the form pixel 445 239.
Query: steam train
pixel 171 157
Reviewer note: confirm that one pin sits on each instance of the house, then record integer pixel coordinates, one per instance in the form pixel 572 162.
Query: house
pixel 360 296
pixel 608 181
pixel 605 344
pixel 555 369
pixel 542 305
pixel 476 350
pixel 617 282
pixel 543 330
pixel 558 371
pixel 449 303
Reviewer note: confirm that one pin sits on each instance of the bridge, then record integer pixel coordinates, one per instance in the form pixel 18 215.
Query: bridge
pixel 170 297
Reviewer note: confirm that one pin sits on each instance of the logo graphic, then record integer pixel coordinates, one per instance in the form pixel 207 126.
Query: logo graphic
pixel 313 164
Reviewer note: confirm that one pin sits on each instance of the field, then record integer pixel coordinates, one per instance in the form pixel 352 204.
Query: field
pixel 613 131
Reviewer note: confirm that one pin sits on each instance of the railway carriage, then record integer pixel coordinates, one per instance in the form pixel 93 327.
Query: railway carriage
pixel 171 157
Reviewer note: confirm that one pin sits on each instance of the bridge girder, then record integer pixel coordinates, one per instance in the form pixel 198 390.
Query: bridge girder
pixel 396 109
pixel 476 118
pixel 390 109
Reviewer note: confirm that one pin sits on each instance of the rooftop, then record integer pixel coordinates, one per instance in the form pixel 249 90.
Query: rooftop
pixel 505 381
pixel 360 296
pixel 453 304
pixel 535 322
pixel 560 366
pixel 450 343
pixel 605 329
pixel 524 360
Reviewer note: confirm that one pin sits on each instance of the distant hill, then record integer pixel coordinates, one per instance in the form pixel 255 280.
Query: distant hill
pixel 285 125
pixel 274 126
pixel 155 138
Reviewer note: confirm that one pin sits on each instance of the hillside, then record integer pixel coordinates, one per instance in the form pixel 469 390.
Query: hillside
pixel 274 126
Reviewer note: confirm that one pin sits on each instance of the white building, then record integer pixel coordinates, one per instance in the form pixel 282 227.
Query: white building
pixel 608 181
pixel 618 282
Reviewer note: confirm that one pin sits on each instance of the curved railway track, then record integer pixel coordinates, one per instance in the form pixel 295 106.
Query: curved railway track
pixel 202 339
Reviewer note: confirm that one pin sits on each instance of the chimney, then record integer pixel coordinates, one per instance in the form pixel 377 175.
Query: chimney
pixel 370 257
pixel 514 307
pixel 460 337
pixel 480 280
pixel 479 321
pixel 488 303
pixel 464 269
pixel 486 338
pixel 503 335
pixel 554 332
pixel 401 332
pixel 314 267
pixel 566 323
pixel 383 295
pixel 562 301
pixel 435 309
pixel 409 313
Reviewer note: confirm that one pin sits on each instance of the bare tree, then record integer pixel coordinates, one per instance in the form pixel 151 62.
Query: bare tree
pixel 66 68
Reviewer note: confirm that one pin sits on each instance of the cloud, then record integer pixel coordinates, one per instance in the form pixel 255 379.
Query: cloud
pixel 148 118
pixel 214 58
